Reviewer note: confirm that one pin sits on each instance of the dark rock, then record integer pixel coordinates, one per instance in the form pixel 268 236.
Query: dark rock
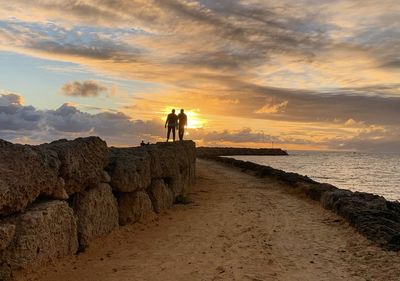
pixel 231 151
pixel 7 232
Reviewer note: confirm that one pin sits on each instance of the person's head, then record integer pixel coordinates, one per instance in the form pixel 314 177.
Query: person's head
pixel 173 111
pixel 182 110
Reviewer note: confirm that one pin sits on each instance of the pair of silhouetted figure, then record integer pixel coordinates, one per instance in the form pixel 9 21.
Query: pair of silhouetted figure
pixel 176 121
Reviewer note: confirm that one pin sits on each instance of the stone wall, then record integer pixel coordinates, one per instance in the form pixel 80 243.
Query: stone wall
pixel 230 151
pixel 55 198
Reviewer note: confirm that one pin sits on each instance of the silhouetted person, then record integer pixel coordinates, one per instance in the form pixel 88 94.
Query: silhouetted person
pixel 182 118
pixel 142 143
pixel 172 123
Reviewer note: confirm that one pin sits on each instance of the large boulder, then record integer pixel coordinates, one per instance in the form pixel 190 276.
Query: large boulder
pixel 26 172
pixel 161 196
pixel 44 232
pixel 134 207
pixel 129 169
pixel 97 213
pixel 177 164
pixel 82 162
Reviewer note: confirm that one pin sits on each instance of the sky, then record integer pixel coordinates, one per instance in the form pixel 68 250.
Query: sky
pixel 296 74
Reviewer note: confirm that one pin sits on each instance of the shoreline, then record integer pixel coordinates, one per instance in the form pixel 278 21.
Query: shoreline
pixel 373 216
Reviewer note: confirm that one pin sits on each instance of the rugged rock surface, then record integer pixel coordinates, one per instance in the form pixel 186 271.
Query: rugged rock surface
pixel 97 213
pixel 129 169
pixel 177 165
pixel 82 162
pixel 36 228
pixel 161 196
pixel 134 207
pixel 230 151
pixel 43 233
pixel 372 215
pixel 26 172
pixel 132 169
pixel 7 232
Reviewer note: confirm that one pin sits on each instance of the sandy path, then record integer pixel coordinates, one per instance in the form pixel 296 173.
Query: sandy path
pixel 238 228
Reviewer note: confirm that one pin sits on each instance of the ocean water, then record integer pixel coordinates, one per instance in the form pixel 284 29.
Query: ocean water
pixel 377 173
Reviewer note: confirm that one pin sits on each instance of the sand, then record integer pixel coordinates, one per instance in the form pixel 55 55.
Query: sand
pixel 238 227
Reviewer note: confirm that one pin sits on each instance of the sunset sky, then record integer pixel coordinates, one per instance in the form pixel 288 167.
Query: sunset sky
pixel 304 74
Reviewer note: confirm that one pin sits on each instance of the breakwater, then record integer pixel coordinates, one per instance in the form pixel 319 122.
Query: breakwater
pixel 371 215
pixel 55 198
pixel 230 151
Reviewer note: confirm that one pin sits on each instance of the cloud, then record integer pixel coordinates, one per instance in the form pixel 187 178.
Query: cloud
pixel 20 123
pixel 11 99
pixel 295 62
pixel 273 107
pixel 83 89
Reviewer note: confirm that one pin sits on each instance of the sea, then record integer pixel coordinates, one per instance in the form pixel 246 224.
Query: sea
pixel 377 173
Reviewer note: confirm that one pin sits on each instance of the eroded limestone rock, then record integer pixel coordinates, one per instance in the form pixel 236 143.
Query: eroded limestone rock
pixel 26 172
pixel 97 213
pixel 82 162
pixel 134 207
pixel 6 234
pixel 129 169
pixel 161 196
pixel 43 233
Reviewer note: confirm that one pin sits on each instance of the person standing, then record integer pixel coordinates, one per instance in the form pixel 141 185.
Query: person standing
pixel 171 122
pixel 182 119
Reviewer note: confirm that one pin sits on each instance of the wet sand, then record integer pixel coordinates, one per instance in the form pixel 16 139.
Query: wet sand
pixel 238 227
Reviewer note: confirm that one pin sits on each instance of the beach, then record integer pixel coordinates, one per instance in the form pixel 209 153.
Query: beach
pixel 234 227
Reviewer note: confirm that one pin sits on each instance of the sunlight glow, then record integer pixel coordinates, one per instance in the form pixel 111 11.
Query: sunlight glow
pixel 195 121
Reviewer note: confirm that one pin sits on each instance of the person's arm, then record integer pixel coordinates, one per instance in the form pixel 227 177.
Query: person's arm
pixel 166 121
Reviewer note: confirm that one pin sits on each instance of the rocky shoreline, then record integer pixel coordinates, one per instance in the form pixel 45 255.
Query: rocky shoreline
pixel 55 198
pixel 371 215
pixel 230 151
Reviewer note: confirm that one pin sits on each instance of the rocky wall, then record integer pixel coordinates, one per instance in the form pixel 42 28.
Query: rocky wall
pixel 230 151
pixel 55 198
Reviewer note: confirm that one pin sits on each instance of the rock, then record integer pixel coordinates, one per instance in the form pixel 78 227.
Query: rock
pixel 129 169
pixel 315 191
pixel 134 207
pixel 44 232
pixel 26 172
pixel 6 234
pixel 106 177
pixel 82 162
pixel 175 165
pixel 161 196
pixel 5 272
pixel 231 151
pixel 97 213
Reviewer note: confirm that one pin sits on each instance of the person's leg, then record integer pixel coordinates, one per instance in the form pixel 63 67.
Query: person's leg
pixel 173 133
pixel 169 133
pixel 181 133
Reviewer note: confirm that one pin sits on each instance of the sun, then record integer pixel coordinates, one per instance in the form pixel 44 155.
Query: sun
pixel 195 121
